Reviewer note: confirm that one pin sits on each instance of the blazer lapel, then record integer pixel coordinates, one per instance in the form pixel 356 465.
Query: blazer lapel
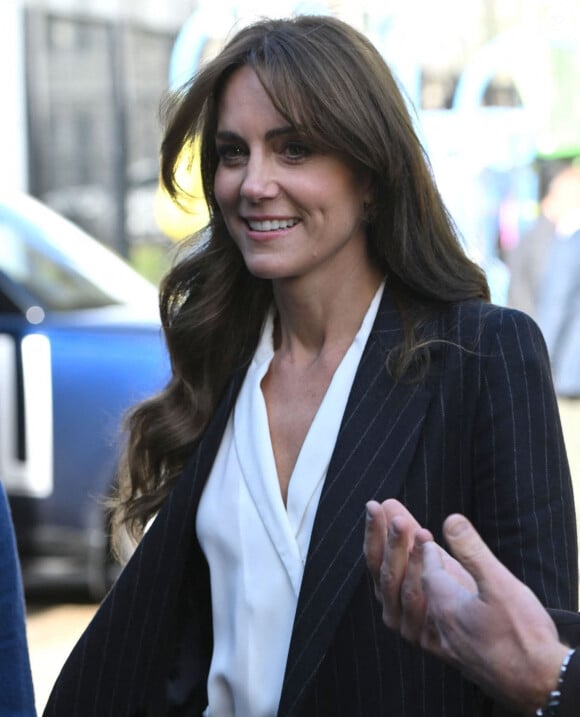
pixel 376 443
pixel 137 625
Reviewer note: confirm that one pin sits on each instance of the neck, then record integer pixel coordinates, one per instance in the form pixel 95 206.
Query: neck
pixel 310 324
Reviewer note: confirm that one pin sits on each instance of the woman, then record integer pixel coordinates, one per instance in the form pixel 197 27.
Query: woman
pixel 331 343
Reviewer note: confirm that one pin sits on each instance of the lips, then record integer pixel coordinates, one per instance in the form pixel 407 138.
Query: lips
pixel 269 225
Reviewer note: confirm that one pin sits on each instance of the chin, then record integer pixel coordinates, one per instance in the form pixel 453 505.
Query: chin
pixel 267 270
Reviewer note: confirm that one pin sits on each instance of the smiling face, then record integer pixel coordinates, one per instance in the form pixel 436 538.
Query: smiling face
pixel 292 210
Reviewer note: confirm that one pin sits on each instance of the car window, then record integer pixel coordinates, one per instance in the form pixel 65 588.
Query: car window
pixel 59 265
pixel 56 286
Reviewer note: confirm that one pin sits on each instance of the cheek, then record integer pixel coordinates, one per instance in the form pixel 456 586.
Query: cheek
pixel 340 191
pixel 223 188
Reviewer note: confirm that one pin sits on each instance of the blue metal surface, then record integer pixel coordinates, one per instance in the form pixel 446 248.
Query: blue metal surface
pixel 99 362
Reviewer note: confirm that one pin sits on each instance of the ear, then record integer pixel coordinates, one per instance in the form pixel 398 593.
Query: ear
pixel 368 189
pixel 368 196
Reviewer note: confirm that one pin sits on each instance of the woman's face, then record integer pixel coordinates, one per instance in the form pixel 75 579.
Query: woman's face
pixel 291 210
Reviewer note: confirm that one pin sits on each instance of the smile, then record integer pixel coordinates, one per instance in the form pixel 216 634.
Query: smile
pixel 271 224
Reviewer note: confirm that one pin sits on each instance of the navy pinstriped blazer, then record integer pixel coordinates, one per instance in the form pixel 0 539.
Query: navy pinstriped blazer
pixel 480 434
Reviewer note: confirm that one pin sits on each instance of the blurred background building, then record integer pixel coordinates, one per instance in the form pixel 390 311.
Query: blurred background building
pixel 493 82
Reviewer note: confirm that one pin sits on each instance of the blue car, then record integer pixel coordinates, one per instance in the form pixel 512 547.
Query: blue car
pixel 80 342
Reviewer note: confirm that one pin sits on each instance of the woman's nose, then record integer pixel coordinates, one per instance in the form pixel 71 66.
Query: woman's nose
pixel 259 181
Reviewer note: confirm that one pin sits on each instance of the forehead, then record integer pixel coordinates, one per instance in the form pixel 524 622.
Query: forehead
pixel 244 100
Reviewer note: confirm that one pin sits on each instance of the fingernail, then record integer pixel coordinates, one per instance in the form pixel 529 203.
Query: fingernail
pixel 456 525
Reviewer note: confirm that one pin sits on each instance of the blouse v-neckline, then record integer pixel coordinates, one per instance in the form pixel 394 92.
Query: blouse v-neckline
pixel 292 523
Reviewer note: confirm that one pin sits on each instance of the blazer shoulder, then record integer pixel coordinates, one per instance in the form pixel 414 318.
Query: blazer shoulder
pixel 479 322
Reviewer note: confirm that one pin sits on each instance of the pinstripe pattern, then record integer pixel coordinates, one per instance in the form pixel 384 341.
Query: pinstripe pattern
pixel 480 435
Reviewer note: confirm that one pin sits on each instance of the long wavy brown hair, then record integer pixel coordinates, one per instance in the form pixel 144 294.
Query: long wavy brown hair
pixel 329 82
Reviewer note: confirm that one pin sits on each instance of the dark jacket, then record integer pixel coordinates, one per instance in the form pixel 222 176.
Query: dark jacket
pixel 16 693
pixel 568 625
pixel 480 434
pixel 570 698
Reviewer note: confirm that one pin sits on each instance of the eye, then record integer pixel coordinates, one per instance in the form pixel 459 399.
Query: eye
pixel 231 153
pixel 296 150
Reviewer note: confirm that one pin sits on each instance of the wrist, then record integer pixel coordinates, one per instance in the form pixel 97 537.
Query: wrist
pixel 551 704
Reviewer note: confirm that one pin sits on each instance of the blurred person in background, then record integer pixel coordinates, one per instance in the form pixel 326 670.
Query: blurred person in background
pixel 558 306
pixel 16 690
pixel 330 342
pixel 528 261
pixel 472 612
pixel 545 283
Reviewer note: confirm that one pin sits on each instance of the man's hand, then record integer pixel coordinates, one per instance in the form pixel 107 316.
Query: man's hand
pixel 469 610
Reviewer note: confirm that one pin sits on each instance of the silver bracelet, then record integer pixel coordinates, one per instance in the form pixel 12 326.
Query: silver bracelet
pixel 552 708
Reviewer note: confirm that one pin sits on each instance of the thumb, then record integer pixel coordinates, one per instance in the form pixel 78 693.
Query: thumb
pixel 470 550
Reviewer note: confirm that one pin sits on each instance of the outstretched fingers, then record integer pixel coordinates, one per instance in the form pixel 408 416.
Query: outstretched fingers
pixel 413 600
pixel 395 564
pixel 374 542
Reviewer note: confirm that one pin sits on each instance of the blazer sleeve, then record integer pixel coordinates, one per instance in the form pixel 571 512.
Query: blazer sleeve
pixel 16 692
pixel 568 624
pixel 570 699
pixel 524 502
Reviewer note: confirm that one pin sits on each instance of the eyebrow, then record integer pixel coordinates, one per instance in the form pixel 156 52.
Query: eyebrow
pixel 227 136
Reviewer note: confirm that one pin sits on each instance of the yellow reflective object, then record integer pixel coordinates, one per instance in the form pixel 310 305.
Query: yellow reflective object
pixel 181 217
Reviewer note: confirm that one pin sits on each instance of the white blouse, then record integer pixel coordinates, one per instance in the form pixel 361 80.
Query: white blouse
pixel 255 546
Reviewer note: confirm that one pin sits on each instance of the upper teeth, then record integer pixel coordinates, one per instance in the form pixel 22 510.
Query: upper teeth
pixel 271 224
